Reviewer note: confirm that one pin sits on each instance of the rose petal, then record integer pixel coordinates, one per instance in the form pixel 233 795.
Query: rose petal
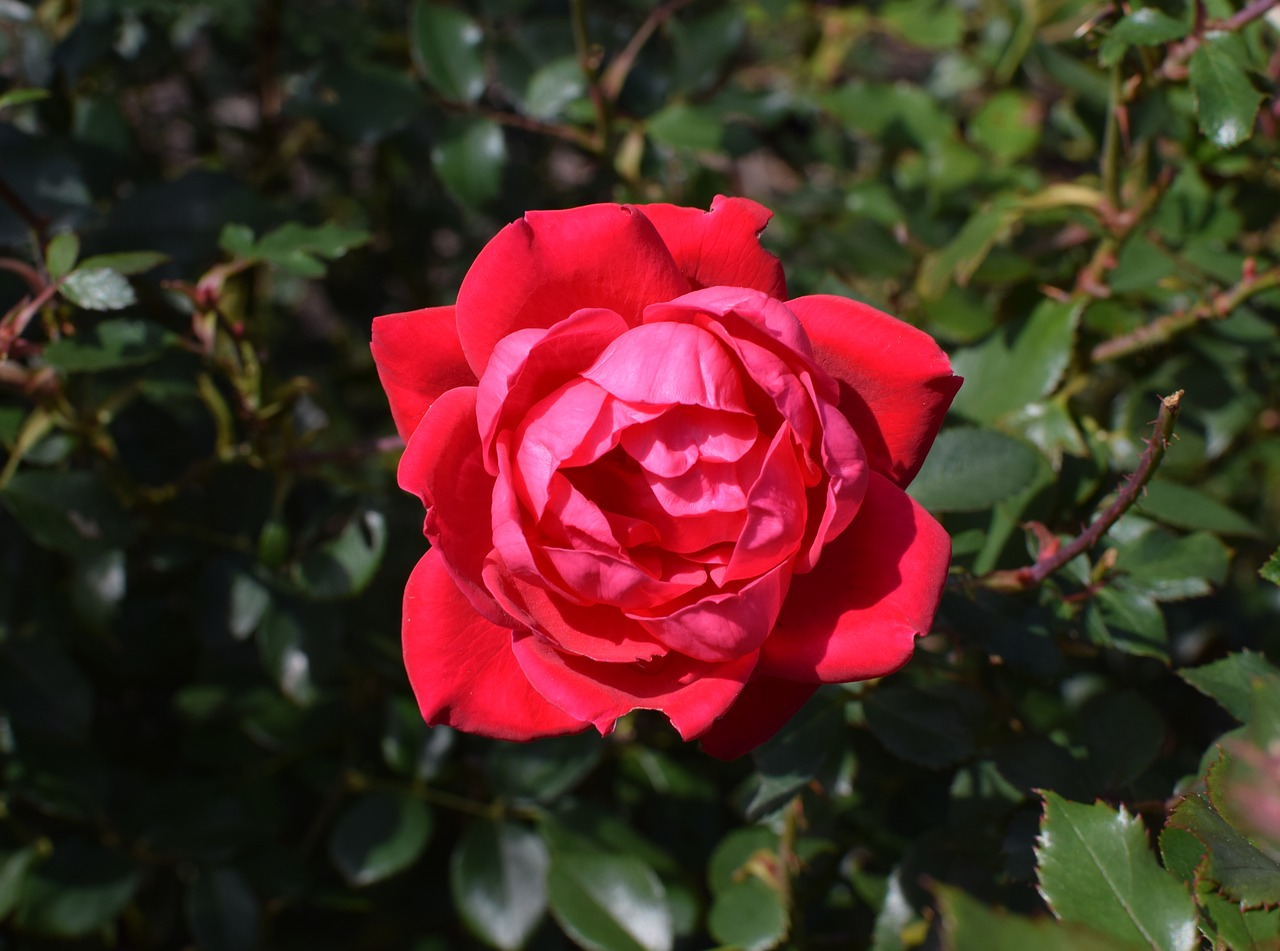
pixel 776 514
pixel 666 363
pixel 721 246
pixel 462 668
pixel 529 364
pixel 845 462
pixel 895 381
pixel 591 630
pixel 418 357
pixel 720 627
pixel 762 710
pixel 691 693
pixel 442 465
pixel 540 269
pixel 876 587
pixel 670 444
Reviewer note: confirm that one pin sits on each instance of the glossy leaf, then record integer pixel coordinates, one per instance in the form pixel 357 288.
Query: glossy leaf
pixel 1230 681
pixel 609 902
pixel 446 49
pixel 970 925
pixel 1237 869
pixel 1184 507
pixel 469 158
pixel 67 511
pixel 98 288
pixel 498 878
pixel 749 914
pixel 970 469
pixel 1096 867
pixel 1226 101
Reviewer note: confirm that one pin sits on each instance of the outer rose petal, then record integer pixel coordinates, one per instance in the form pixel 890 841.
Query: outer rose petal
pixel 721 246
pixel 764 707
pixel 418 357
pixel 876 586
pixel 461 666
pixel 443 466
pixel 895 381
pixel 540 269
pixel 691 693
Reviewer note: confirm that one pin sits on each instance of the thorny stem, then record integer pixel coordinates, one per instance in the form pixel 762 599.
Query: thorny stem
pixel 1175 63
pixel 1051 559
pixel 787 857
pixel 1163 329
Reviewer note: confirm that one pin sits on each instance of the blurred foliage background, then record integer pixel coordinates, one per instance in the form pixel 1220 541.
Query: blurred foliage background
pixel 206 736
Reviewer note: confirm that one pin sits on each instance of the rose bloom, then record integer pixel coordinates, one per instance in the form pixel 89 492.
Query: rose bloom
pixel 653 482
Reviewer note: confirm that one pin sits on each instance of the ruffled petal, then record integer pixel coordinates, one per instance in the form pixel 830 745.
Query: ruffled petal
pixel 530 364
pixel 540 269
pixel 462 668
pixel 691 693
pixel 418 357
pixel 442 465
pixel 762 710
pixel 721 246
pixel 720 627
pixel 875 588
pixel 895 382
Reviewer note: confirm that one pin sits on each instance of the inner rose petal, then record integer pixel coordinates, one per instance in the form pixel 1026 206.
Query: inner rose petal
pixel 665 364
pixel 672 443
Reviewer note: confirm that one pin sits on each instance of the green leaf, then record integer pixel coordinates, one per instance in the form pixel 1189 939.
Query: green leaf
pixel 1271 570
pixel 545 770
pixel 1007 125
pixel 1170 568
pixel 298 647
pixel 379 835
pixel 295 248
pixel 78 890
pixel 446 50
pixel 1254 929
pixel 1124 734
pixel 1184 507
pixel 108 345
pixel 20 97
pixel 1095 867
pixel 61 254
pixel 13 873
pixel 222 911
pixel 72 512
pixel 1016 366
pixel 498 878
pixel 1226 101
pixel 958 261
pixel 683 126
pixel 1230 680
pixel 469 158
pixel 126 262
pixel 735 852
pixel 237 240
pixel 1127 621
pixel 344 565
pixel 749 915
pixel 924 728
pixel 1145 27
pixel 970 469
pixel 809 746
pixel 609 902
pixel 1240 871
pixel 969 925
pixel 98 288
pixel 553 87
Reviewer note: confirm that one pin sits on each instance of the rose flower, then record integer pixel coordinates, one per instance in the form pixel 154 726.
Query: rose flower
pixel 653 482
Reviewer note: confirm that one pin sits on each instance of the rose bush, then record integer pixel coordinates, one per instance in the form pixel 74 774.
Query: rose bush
pixel 653 482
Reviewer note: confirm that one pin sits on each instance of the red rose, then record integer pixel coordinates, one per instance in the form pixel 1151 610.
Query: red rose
pixel 652 484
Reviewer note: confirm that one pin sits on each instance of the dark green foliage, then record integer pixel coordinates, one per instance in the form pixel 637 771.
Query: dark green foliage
pixel 207 739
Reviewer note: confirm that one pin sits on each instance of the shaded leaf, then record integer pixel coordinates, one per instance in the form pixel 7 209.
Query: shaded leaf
pixel 469 158
pixel 345 564
pixel 969 925
pixel 222 911
pixel 1230 680
pixel 109 344
pixel 379 835
pixel 1184 507
pixel 1096 868
pixel 749 914
pixel 76 891
pixel 69 511
pixel 544 770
